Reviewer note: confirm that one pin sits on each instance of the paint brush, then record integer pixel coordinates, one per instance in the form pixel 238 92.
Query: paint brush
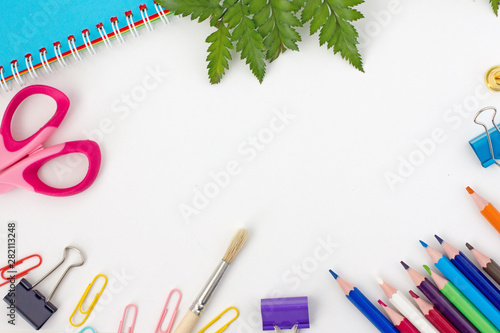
pixel 189 321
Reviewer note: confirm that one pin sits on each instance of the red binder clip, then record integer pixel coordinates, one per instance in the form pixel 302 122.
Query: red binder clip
pixel 21 274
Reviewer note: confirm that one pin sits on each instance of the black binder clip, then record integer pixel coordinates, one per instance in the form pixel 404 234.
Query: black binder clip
pixel 32 304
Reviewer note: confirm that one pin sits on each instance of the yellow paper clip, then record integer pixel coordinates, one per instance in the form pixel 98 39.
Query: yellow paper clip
pixel 84 296
pixel 223 328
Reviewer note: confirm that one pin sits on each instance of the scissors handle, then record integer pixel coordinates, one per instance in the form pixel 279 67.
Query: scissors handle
pixel 12 150
pixel 24 174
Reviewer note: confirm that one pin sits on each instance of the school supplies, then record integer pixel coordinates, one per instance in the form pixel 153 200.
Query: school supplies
pixel 464 285
pixel 87 312
pixel 30 303
pixel 487 145
pixel 492 78
pixel 10 269
pixel 440 301
pixel 226 325
pixel 195 310
pixel 20 161
pixel 487 264
pixel 369 310
pixel 491 214
pixel 38 34
pixel 462 303
pixel 472 273
pixel 130 329
pixel 284 313
pixel 165 310
pixel 401 323
pixel 407 309
pixel 435 317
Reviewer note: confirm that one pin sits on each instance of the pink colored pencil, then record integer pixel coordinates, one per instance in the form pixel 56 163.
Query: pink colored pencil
pixel 402 324
pixel 433 315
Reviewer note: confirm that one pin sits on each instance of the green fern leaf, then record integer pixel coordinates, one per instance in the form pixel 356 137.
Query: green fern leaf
pixel 332 18
pixel 261 30
pixel 494 6
pixel 197 9
pixel 275 22
pixel 218 52
pixel 248 41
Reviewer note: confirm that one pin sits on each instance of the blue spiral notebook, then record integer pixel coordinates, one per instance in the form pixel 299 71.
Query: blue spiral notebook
pixel 41 34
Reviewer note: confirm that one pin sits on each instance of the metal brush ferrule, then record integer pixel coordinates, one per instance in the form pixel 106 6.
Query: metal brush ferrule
pixel 204 296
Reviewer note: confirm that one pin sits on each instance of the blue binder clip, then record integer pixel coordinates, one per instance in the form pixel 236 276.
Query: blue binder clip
pixel 487 145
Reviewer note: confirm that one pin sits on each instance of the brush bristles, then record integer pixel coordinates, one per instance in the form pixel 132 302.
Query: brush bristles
pixel 236 245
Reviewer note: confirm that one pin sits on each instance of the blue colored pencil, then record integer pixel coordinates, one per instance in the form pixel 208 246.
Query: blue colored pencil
pixel 464 285
pixel 365 306
pixel 472 272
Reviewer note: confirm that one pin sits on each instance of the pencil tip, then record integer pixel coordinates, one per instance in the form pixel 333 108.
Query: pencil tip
pixel 334 274
pixel 470 247
pixel 423 244
pixel 440 240
pixel 412 293
pixel 469 190
pixel 379 280
pixel 405 265
pixel 382 303
pixel 427 268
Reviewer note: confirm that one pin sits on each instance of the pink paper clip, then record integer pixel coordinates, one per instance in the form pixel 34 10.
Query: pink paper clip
pixel 131 328
pixel 21 274
pixel 164 313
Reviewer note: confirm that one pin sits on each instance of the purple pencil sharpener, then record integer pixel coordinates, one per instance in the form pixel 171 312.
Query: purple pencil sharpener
pixel 284 313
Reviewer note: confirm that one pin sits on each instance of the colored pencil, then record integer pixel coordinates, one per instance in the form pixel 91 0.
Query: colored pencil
pixel 435 317
pixel 462 303
pixel 402 324
pixel 440 301
pixel 369 310
pixel 487 264
pixel 487 209
pixel 407 309
pixel 464 285
pixel 472 272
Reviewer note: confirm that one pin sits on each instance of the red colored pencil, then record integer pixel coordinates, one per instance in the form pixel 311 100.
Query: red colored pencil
pixel 434 316
pixel 402 324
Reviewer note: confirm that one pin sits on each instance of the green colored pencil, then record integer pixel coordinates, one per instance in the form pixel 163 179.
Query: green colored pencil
pixel 462 303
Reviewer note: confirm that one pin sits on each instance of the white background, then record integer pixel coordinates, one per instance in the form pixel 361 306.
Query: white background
pixel 321 179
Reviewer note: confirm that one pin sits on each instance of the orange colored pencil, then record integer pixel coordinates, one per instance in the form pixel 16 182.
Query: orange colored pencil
pixel 487 209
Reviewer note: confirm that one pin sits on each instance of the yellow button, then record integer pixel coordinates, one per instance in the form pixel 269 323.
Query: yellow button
pixel 492 78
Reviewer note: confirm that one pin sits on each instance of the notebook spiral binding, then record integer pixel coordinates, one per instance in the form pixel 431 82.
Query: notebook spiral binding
pixel 88 44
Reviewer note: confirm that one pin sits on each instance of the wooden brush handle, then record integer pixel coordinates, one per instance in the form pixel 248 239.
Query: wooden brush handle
pixel 187 323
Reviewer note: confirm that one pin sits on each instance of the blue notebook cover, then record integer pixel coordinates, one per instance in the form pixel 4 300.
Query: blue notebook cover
pixel 31 25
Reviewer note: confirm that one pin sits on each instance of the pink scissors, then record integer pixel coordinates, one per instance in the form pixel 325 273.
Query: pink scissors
pixel 20 161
